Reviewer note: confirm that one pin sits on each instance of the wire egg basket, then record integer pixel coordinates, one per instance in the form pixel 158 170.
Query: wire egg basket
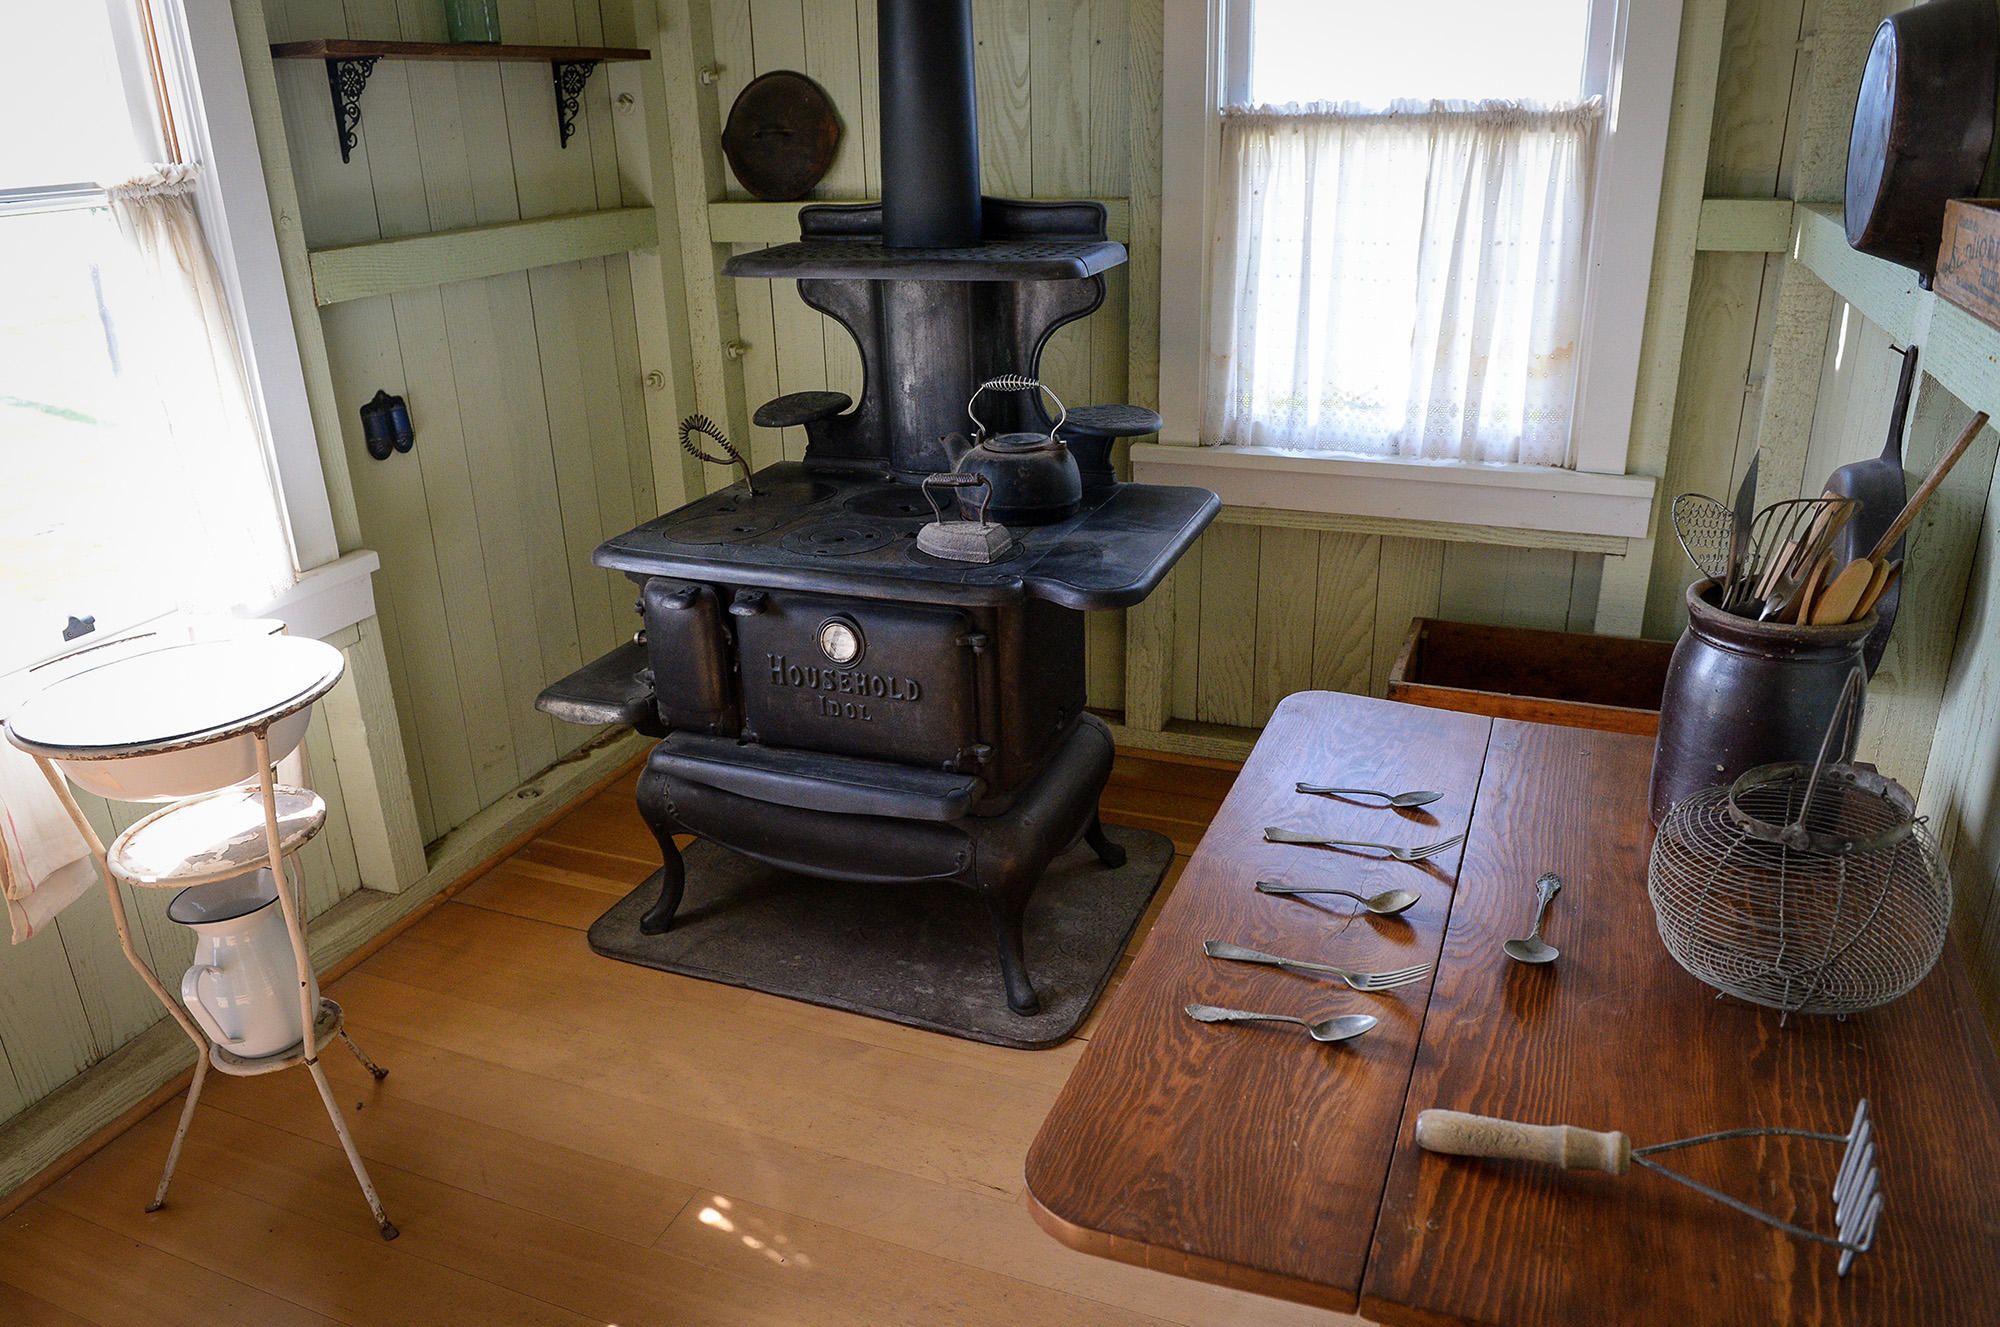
pixel 1806 887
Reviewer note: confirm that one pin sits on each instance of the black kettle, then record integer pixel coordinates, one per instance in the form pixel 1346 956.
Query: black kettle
pixel 1034 480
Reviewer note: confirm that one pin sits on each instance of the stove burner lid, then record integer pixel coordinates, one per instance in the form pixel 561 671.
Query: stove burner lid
pixel 732 516
pixel 902 501
pixel 839 538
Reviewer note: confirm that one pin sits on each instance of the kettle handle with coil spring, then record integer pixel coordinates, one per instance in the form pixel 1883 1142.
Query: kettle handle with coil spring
pixel 1013 382
pixel 708 428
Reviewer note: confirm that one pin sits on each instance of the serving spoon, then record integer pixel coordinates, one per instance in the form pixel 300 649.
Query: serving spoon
pixel 1385 904
pixel 1531 948
pixel 1400 801
pixel 1338 1028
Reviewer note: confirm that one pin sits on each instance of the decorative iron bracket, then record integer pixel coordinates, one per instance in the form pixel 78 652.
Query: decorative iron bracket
pixel 570 76
pixel 345 78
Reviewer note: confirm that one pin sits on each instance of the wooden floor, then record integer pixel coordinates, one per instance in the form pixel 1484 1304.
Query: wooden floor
pixel 566 1139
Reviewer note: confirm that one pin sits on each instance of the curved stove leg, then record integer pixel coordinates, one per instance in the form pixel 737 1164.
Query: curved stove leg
pixel 672 876
pixel 1107 852
pixel 1006 911
pixel 655 809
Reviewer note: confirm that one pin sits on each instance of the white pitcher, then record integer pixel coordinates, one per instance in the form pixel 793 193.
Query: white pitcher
pixel 244 986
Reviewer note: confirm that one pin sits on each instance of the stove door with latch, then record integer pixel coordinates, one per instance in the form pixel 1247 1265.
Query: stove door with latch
pixel 858 678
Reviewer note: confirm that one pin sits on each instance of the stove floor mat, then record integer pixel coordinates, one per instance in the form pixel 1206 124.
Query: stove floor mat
pixel 920 954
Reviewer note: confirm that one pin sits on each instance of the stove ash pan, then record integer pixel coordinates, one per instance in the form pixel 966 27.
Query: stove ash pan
pixel 988 692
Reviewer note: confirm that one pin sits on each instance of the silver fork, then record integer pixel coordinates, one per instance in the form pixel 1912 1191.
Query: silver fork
pixel 1360 981
pixel 1273 834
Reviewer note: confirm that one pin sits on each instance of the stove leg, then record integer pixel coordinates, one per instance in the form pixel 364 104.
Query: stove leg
pixel 672 876
pixel 1107 852
pixel 656 809
pixel 1007 915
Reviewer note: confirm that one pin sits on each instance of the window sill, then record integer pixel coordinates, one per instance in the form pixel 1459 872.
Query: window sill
pixel 1436 499
pixel 328 599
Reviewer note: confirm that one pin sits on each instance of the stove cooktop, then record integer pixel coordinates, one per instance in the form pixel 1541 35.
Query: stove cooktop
pixel 858 536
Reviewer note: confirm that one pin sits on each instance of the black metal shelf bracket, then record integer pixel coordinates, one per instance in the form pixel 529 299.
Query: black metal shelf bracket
pixel 345 78
pixel 570 76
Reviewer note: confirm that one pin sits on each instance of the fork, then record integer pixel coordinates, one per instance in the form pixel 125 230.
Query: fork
pixel 1360 981
pixel 1273 834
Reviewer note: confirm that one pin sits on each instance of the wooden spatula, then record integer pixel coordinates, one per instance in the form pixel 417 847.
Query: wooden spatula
pixel 1840 601
pixel 1878 587
pixel 1846 592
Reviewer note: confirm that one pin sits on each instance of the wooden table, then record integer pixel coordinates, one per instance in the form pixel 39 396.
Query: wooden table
pixel 1252 1157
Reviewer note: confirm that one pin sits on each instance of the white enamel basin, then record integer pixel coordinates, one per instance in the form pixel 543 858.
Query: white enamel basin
pixel 180 720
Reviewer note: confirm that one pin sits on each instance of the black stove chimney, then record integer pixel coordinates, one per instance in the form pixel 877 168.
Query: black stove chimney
pixel 930 124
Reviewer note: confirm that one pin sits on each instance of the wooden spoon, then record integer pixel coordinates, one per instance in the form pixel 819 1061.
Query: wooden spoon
pixel 1858 576
pixel 1811 588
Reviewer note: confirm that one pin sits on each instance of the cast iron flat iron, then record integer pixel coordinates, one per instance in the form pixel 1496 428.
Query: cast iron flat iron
pixel 977 540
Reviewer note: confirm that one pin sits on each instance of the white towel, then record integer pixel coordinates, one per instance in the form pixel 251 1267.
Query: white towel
pixel 45 865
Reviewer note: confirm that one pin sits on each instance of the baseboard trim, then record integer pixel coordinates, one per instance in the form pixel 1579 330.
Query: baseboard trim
pixel 63 1129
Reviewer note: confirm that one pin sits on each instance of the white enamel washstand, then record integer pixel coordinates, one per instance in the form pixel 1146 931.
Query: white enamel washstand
pixel 202 726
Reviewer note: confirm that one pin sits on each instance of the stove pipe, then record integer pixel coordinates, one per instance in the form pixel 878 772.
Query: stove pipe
pixel 930 124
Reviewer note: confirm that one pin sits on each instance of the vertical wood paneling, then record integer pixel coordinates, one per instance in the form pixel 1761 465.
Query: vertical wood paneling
pixel 1228 625
pixel 533 441
pixel 1344 611
pixel 1185 692
pixel 1410 577
pixel 1287 577
pixel 1002 62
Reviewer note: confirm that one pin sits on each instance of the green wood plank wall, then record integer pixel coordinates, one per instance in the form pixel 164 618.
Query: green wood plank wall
pixel 532 439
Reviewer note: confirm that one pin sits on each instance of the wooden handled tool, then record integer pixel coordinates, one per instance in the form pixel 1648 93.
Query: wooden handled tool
pixel 1841 600
pixel 1562 1145
pixel 1857 1198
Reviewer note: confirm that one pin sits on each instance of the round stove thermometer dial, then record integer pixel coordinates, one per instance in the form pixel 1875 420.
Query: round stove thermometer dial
pixel 840 641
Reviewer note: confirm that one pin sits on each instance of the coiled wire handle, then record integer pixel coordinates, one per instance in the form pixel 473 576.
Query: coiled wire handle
pixel 705 426
pixel 1013 382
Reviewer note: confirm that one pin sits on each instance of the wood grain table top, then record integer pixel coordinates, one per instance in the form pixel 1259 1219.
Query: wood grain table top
pixel 1253 1157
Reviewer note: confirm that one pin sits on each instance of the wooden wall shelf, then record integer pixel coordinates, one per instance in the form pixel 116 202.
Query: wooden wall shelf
pixel 349 62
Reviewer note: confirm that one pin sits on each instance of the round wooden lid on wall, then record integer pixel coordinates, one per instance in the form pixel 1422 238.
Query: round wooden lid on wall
pixel 781 136
pixel 1923 125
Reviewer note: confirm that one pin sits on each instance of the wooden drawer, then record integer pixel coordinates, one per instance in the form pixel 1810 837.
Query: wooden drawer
pixel 1580 681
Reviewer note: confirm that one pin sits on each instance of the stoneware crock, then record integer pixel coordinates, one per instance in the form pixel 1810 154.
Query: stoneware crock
pixel 1742 693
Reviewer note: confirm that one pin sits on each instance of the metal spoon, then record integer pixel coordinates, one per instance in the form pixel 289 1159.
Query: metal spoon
pixel 1385 904
pixel 1338 1028
pixel 1531 948
pixel 1400 801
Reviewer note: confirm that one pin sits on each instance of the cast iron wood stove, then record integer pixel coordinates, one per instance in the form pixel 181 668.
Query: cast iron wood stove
pixel 830 699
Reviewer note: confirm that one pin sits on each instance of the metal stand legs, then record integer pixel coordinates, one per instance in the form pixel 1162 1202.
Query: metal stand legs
pixel 382 1221
pixel 180 1134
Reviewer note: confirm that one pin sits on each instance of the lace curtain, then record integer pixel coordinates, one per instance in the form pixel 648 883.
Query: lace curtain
pixel 183 359
pixel 1402 283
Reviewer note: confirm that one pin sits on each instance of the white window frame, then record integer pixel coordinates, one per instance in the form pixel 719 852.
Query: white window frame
pixel 201 66
pixel 1630 59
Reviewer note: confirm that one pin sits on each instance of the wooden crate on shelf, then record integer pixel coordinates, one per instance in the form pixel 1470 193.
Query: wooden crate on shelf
pixel 1580 681
pixel 1968 267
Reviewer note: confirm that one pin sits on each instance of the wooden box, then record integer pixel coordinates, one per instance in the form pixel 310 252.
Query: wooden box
pixel 1968 267
pixel 1579 681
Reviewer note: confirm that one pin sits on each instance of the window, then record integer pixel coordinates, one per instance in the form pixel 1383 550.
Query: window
pixel 136 475
pixel 1399 251
pixel 1423 235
